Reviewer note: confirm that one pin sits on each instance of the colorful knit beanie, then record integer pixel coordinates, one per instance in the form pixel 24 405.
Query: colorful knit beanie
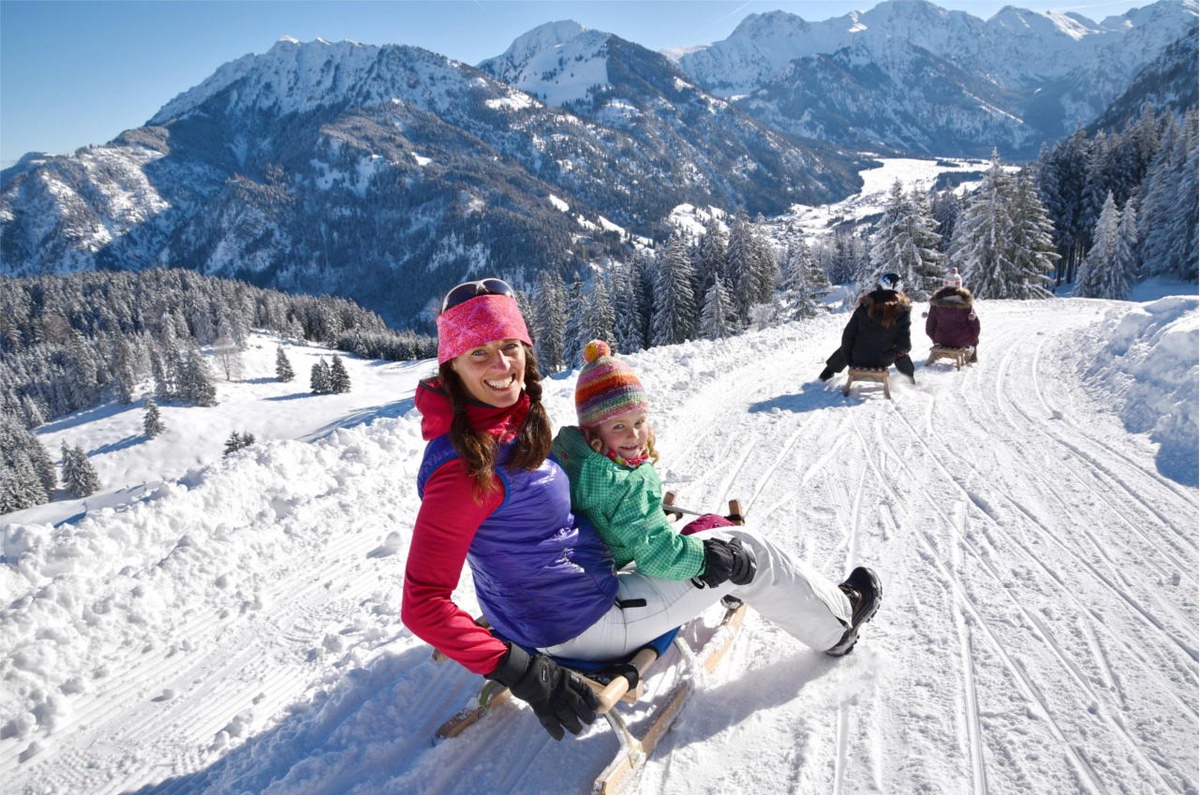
pixel 953 279
pixel 606 387
pixel 480 320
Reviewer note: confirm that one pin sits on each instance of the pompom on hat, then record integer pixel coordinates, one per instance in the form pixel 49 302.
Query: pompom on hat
pixel 607 387
pixel 953 279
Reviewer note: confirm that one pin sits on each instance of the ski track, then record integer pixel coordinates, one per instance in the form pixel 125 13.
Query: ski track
pixel 985 665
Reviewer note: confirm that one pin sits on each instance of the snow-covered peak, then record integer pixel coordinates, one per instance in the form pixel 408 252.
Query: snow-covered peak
pixel 557 62
pixel 292 75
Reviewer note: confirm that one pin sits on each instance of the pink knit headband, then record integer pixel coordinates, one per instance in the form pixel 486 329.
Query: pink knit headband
pixel 482 319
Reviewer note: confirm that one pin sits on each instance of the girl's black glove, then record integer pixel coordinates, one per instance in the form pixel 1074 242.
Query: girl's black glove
pixel 726 560
pixel 560 699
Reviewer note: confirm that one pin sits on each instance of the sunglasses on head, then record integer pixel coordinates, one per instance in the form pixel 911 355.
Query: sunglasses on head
pixel 468 290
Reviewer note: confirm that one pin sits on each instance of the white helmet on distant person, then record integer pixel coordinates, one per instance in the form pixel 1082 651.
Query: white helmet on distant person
pixel 890 281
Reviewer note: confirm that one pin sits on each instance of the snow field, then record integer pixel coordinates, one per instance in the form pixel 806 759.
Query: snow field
pixel 234 628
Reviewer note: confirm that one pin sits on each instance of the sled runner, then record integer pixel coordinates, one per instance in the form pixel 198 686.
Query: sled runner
pixel 620 681
pixel 877 374
pixel 959 356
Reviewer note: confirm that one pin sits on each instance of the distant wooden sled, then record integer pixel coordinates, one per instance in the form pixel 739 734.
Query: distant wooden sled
pixel 959 356
pixel 877 374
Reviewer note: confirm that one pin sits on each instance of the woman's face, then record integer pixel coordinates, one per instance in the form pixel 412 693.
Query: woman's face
pixel 494 373
pixel 625 434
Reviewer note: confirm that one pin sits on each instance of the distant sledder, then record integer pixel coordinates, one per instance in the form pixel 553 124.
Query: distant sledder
pixel 876 337
pixel 952 323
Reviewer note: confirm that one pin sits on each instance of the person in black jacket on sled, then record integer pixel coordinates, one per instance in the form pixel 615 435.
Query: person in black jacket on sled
pixel 878 333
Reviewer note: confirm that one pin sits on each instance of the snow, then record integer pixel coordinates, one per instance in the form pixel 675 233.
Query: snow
pixel 230 624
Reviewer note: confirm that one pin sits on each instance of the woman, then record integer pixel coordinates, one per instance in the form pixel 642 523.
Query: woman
pixel 491 497
pixel 878 333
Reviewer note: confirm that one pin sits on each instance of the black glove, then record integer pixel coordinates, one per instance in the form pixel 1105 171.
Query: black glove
pixel 559 698
pixel 726 560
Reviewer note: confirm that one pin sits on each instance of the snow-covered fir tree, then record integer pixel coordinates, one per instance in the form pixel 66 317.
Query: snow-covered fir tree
pixel 1168 214
pixel 152 424
pixel 674 317
pixel 236 441
pixel 906 242
pixel 710 259
pixel 550 322
pixel 27 475
pixel 599 317
pixel 319 382
pixel 632 305
pixel 196 381
pixel 717 314
pixel 802 281
pixel 283 366
pixel 78 475
pixel 339 379
pixel 1110 265
pixel 1002 244
pixel 574 336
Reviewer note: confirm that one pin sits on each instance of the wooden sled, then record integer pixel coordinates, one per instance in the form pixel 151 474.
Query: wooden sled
pixel 634 749
pixel 613 689
pixel 876 374
pixel 959 356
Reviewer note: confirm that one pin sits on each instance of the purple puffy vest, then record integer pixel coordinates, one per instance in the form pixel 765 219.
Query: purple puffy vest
pixel 541 576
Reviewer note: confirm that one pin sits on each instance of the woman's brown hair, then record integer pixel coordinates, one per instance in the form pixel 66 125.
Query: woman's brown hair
pixel 477 448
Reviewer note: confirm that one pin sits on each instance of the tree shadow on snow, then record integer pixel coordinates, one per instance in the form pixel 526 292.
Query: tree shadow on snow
pixel 363 416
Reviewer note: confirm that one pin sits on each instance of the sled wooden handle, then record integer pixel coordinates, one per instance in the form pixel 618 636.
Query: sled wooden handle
pixel 615 690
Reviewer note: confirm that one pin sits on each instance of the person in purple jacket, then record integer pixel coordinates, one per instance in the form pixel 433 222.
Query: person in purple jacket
pixel 952 321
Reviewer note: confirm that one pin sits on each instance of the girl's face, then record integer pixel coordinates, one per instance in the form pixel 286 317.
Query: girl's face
pixel 493 373
pixel 625 434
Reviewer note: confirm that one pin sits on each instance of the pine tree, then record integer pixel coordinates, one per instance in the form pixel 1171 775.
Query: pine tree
pixel 1003 242
pixel 1032 243
pixel 711 259
pixel 628 333
pixel 196 382
pixel 319 383
pixel 152 424
pixel 716 315
pixel 79 476
pixel 802 282
pixel 600 317
pixel 906 243
pixel 549 315
pixel 339 379
pixel 674 311
pixel 236 441
pixel 283 367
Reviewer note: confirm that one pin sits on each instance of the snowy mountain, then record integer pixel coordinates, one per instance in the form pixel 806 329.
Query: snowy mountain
pixel 910 75
pixel 231 624
pixel 387 173
pixel 336 168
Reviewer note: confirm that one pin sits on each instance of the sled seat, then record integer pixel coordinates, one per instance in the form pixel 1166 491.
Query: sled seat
pixel 959 356
pixel 876 374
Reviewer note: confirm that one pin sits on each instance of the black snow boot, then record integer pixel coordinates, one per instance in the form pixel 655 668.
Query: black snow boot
pixel 826 374
pixel 865 593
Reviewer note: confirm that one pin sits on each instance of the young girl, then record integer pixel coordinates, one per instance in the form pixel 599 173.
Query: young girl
pixel 609 460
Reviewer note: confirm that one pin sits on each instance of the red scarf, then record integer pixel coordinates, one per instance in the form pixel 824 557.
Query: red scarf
pixel 504 424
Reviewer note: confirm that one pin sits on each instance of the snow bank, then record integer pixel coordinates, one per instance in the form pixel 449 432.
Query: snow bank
pixel 1149 369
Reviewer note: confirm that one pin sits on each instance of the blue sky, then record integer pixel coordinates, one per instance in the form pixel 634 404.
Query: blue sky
pixel 77 72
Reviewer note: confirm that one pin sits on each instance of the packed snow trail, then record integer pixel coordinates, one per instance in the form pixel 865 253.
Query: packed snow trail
pixel 239 631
